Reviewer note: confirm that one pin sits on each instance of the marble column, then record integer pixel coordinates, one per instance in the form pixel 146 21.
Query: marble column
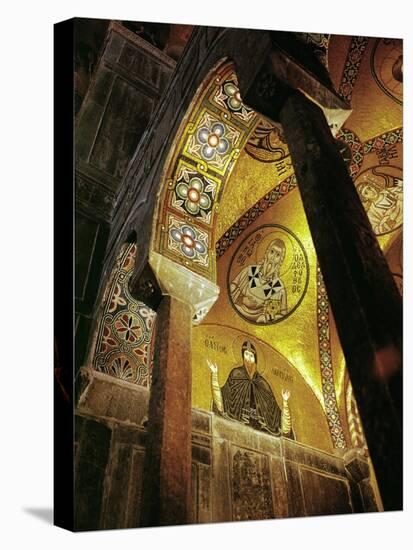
pixel 166 496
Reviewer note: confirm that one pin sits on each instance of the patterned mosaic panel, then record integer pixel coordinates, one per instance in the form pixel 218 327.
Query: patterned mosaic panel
pixel 213 142
pixel 355 55
pixel 217 128
pixel 189 241
pixel 383 145
pixel 124 347
pixel 326 366
pixel 228 97
pixel 194 193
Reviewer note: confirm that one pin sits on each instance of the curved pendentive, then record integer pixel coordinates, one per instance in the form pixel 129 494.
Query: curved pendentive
pixel 124 340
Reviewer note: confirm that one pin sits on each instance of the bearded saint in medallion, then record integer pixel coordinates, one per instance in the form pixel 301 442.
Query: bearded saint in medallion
pixel 257 291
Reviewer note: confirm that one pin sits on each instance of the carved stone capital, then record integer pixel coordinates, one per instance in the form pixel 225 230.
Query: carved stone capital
pixel 184 285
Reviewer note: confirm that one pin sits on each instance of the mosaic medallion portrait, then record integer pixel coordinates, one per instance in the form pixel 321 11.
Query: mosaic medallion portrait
pixel 268 275
pixel 387 67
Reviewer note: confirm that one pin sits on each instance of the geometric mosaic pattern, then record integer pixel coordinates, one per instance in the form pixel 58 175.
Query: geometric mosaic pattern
pixel 126 331
pixel 326 366
pixel 383 141
pixel 355 54
pixel 216 129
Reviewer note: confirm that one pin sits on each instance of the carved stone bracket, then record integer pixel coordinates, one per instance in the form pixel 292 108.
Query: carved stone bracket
pixel 356 465
pixel 358 470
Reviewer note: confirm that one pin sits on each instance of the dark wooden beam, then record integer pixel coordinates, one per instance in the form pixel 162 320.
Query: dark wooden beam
pixel 364 298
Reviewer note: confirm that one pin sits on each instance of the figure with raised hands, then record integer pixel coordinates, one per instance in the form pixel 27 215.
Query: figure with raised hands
pixel 247 397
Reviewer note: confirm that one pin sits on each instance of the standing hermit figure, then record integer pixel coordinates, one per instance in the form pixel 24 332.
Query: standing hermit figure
pixel 247 397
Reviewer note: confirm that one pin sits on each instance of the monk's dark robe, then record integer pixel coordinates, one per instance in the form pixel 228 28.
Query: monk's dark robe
pixel 251 401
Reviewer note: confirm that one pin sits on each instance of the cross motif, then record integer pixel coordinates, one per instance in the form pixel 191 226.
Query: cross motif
pixel 253 276
pixel 271 288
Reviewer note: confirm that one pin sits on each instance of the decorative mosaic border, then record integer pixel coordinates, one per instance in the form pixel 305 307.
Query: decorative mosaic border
pixel 359 149
pixel 253 214
pixel 354 422
pixel 353 61
pixel 326 366
pixel 383 140
pixel 356 147
pixel 218 127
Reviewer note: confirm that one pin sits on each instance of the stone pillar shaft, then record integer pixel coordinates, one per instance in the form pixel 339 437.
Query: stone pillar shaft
pixel 364 299
pixel 167 468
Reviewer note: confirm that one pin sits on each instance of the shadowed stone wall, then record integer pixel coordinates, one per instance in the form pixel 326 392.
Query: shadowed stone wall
pixel 237 473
